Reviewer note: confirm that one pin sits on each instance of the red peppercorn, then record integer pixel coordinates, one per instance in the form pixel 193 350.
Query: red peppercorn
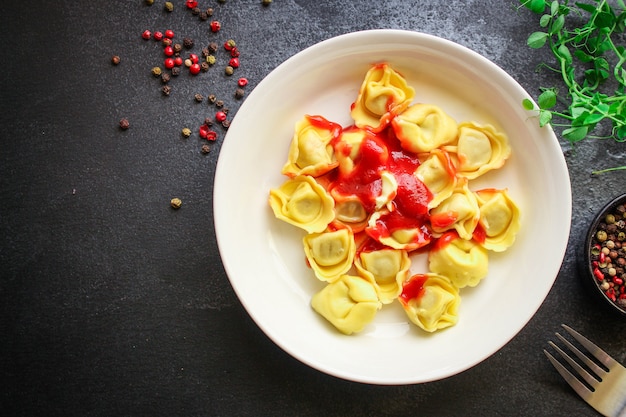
pixel 169 63
pixel 598 274
pixel 169 33
pixel 220 116
pixel 158 36
pixel 203 131
pixel 242 82
pixel 168 51
pixel 234 52
pixel 194 68
pixel 146 34
pixel 618 280
pixel 194 58
pixel 215 26
pixel 229 44
pixel 178 61
pixel 234 62
pixel 211 135
pixel 191 4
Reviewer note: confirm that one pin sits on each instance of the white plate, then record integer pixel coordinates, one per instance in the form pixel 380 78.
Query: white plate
pixel 263 256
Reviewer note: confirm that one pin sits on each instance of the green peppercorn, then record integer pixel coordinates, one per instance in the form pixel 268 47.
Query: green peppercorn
pixel 149 2
pixel 169 6
pixel 186 132
pixel 609 218
pixel 210 59
pixel 176 203
pixel 156 71
pixel 266 2
pixel 601 235
pixel 229 70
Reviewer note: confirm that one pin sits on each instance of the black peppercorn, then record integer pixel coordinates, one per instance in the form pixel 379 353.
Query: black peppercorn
pixel 176 71
pixel 188 43
pixel 206 149
pixel 239 93
pixel 115 60
pixel 165 78
pixel 198 97
pixel 124 124
pixel 166 90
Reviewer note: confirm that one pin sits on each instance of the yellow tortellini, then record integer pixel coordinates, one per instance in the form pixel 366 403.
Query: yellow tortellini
pixel 404 238
pixel 302 202
pixel 388 268
pixel 439 175
pixel 499 218
pixel 424 127
pixel 383 94
pixel 465 262
pixel 330 254
pixel 479 148
pixel 349 211
pixel 349 304
pixel 459 212
pixel 430 301
pixel 311 151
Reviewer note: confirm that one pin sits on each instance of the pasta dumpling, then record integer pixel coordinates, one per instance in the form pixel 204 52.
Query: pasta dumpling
pixel 430 301
pixel 499 219
pixel 388 268
pixel 302 202
pixel 424 127
pixel 438 173
pixel 459 212
pixel 383 94
pixel 387 228
pixel 465 262
pixel 311 150
pixel 349 303
pixel 479 148
pixel 330 254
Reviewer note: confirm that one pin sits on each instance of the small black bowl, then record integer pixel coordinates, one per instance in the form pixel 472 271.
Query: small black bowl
pixel 606 276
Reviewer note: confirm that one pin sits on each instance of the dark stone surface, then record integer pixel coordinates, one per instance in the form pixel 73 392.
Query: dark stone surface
pixel 112 303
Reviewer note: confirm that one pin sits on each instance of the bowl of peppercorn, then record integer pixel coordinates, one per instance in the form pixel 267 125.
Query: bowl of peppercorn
pixel 605 255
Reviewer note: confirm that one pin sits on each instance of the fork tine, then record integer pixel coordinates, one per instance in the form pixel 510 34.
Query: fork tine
pixel 573 382
pixel 581 371
pixel 601 355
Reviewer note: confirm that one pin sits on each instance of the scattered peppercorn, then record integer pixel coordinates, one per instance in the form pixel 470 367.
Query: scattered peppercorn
pixel 206 149
pixel 156 71
pixel 219 104
pixel 175 71
pixel 166 42
pixel 188 43
pixel 169 34
pixel 177 48
pixel 229 44
pixel 239 93
pixel 225 124
pixel 198 97
pixel 210 60
pixel 149 2
pixel 186 132
pixel 215 26
pixel 229 70
pixel 165 78
pixel 166 90
pixel 169 6
pixel 234 62
pixel 115 59
pixel 204 66
pixel 209 11
pixel 204 16
pixel 242 82
pixel 146 34
pixel 195 11
pixel 266 2
pixel 124 124
pixel 176 203
pixel 158 36
pixel 212 98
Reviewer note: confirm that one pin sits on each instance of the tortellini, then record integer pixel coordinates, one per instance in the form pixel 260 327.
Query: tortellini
pixel 387 268
pixel 384 93
pixel 439 175
pixel 499 219
pixel 311 151
pixel 302 202
pixel 424 127
pixel 479 148
pixel 394 186
pixel 349 304
pixel 459 212
pixel 330 254
pixel 430 301
pixel 465 262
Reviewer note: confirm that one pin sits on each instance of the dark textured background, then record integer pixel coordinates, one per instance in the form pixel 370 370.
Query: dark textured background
pixel 113 304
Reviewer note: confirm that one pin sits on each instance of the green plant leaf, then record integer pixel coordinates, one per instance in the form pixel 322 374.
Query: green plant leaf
pixel 537 39
pixel 547 99
pixel 545 117
pixel 575 134
pixel 593 118
pixel 528 104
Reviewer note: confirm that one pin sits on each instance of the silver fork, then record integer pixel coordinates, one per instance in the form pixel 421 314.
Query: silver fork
pixel 608 386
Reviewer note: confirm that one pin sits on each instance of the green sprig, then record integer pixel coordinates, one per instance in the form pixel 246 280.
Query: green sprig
pixel 583 39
